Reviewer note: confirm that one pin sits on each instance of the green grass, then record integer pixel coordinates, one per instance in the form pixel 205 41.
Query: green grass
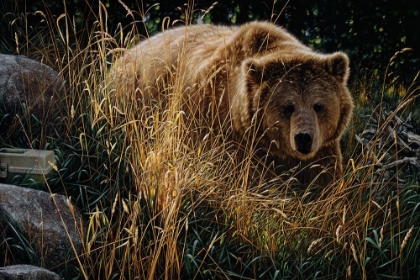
pixel 159 205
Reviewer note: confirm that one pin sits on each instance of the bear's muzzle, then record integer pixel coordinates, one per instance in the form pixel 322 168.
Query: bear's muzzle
pixel 303 142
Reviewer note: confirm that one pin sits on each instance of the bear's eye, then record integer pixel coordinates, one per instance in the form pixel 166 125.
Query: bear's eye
pixel 318 107
pixel 289 109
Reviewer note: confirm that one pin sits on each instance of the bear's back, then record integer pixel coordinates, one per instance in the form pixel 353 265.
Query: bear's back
pixel 180 52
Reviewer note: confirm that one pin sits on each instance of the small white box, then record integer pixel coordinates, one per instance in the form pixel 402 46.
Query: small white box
pixel 24 161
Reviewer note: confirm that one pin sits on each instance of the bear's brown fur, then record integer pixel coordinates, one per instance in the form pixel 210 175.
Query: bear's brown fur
pixel 255 78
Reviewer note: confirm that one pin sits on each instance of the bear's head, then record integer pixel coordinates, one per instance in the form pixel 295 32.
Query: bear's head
pixel 300 103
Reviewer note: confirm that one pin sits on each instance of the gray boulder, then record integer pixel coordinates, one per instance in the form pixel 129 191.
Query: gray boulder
pixel 29 81
pixel 26 272
pixel 50 224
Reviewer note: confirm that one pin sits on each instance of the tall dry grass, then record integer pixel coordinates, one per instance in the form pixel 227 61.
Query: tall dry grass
pixel 185 185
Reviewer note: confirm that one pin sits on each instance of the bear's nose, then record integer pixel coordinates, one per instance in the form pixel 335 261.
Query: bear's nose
pixel 303 142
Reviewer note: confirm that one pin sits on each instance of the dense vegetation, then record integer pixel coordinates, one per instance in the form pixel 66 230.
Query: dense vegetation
pixel 370 32
pixel 157 209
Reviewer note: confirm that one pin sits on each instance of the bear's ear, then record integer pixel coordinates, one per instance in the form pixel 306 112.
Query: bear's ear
pixel 255 71
pixel 253 76
pixel 337 65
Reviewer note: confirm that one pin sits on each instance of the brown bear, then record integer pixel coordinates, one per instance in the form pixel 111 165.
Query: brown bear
pixel 254 78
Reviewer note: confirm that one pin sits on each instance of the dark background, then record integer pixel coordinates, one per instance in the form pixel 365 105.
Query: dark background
pixel 370 32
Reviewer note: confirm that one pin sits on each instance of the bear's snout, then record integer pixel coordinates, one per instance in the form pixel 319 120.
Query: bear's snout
pixel 303 142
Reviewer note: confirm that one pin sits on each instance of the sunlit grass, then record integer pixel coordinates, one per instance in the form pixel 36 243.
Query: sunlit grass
pixel 161 203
